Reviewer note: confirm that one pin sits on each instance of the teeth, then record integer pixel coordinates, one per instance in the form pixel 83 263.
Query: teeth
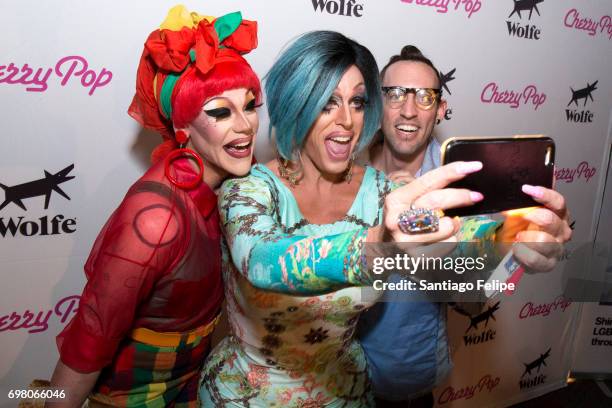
pixel 341 139
pixel 407 128
pixel 240 145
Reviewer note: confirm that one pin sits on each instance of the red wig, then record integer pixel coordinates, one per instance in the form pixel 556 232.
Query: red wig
pixel 206 67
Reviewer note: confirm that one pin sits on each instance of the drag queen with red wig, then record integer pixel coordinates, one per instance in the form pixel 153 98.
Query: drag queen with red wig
pixel 154 289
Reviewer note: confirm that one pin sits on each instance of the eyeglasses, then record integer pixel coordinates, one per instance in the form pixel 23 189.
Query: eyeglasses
pixel 425 98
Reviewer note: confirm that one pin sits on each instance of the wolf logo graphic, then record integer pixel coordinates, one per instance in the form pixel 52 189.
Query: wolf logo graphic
pixel 446 78
pixel 584 93
pixel 41 187
pixel 482 317
pixel 524 5
pixel 537 363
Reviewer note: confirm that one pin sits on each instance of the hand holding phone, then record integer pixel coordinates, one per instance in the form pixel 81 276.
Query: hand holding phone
pixel 508 164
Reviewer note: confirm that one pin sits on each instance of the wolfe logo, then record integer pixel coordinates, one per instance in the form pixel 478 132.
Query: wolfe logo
pixel 347 8
pixel 586 93
pixel 529 378
pixel 37 188
pixel 477 333
pixel 444 80
pixel 44 225
pixel 517 29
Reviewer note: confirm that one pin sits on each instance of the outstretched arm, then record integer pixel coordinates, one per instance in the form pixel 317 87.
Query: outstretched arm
pixel 273 259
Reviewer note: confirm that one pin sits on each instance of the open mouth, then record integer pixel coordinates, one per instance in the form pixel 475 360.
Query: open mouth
pixel 339 146
pixel 239 148
pixel 407 128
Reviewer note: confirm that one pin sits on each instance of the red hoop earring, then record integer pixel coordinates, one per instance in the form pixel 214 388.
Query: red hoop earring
pixel 184 153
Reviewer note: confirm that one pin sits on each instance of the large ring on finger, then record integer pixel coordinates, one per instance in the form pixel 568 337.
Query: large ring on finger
pixel 419 220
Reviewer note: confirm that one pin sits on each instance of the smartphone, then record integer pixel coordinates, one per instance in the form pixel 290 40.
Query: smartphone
pixel 508 163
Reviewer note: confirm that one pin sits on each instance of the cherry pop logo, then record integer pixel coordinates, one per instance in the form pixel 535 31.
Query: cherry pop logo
pixel 71 68
pixel 583 170
pixel 442 6
pixel 486 383
pixel 574 20
pixel 35 322
pixel 530 310
pixel 528 96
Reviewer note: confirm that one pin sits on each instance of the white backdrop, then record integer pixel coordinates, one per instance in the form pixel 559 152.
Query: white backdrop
pixel 67 71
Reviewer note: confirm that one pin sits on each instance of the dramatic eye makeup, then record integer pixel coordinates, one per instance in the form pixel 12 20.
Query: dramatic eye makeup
pixel 219 113
pixel 358 102
pixel 251 105
pixel 333 102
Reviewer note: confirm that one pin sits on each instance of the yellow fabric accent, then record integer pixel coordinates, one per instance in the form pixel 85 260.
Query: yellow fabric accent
pixel 172 339
pixel 155 86
pixel 179 17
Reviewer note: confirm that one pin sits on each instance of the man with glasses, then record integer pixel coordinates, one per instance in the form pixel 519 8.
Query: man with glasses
pixel 405 337
pixel 405 341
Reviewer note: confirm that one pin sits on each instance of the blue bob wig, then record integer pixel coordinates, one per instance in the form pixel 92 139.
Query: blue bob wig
pixel 303 79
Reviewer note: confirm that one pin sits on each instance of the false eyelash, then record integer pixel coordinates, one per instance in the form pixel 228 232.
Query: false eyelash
pixel 259 105
pixel 218 113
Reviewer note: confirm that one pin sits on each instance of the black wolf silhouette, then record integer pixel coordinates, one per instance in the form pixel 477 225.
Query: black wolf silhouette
pixel 537 363
pixel 524 5
pixel 44 186
pixel 584 93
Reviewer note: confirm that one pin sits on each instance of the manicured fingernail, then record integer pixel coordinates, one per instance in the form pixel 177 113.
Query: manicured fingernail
pixel 475 196
pixel 533 191
pixel 469 167
pixel 518 236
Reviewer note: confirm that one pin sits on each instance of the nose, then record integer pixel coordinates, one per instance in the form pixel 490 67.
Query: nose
pixel 409 108
pixel 344 116
pixel 243 124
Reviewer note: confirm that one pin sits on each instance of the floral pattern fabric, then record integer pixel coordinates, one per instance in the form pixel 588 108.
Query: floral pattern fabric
pixel 293 299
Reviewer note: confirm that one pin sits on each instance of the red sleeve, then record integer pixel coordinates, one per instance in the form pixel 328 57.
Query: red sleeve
pixel 137 246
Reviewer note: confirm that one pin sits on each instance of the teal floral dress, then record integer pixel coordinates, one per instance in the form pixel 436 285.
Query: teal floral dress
pixel 293 295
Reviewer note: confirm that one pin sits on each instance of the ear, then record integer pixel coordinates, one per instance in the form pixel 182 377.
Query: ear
pixel 441 109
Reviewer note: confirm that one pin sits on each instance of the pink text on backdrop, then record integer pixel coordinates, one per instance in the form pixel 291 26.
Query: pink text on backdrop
pixel 583 170
pixel 491 93
pixel 486 383
pixel 442 6
pixel 35 322
pixel 70 68
pixel 574 20
pixel 530 310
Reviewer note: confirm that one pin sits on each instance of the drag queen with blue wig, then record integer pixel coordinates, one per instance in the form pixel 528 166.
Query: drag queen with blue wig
pixel 296 228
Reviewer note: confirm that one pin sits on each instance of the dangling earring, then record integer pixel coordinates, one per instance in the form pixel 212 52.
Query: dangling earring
pixel 348 176
pixel 180 153
pixel 283 170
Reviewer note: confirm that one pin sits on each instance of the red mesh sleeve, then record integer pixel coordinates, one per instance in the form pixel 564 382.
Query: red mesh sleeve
pixel 137 246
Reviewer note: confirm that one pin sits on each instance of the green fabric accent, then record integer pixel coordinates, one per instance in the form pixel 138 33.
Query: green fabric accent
pixel 166 93
pixel 227 24
pixel 224 27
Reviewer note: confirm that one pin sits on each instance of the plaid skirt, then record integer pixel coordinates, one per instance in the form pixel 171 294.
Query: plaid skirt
pixel 146 375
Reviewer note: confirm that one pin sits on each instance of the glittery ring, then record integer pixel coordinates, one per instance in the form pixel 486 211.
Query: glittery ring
pixel 419 220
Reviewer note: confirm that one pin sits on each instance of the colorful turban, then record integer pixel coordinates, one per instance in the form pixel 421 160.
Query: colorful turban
pixel 183 42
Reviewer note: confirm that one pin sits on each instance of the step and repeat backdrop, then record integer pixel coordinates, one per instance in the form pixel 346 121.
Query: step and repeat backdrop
pixel 69 151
